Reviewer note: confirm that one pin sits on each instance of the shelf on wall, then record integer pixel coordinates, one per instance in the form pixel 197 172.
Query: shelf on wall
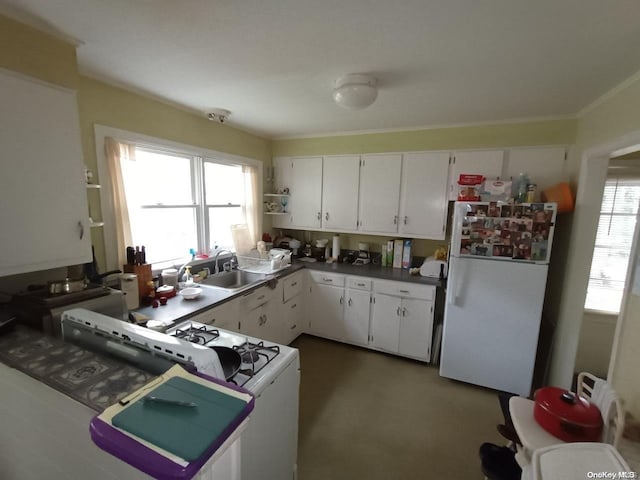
pixel 93 185
pixel 276 213
pixel 96 224
pixel 276 194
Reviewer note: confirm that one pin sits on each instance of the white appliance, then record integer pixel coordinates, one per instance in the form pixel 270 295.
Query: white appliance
pixel 270 371
pixel 495 291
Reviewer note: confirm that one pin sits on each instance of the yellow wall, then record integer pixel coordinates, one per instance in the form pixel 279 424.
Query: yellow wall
pixel 551 132
pixel 29 51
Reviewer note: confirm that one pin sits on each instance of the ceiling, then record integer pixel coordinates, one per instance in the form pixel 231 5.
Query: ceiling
pixel 273 63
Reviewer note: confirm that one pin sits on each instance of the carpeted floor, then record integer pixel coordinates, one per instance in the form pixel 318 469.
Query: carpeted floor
pixel 367 415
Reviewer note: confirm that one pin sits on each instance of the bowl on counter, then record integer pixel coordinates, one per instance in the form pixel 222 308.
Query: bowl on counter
pixel 190 293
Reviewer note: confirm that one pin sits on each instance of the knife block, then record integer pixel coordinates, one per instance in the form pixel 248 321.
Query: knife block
pixel 144 277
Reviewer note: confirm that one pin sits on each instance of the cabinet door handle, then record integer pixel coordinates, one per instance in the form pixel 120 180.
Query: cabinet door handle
pixel 341 300
pixel 360 284
pixel 319 215
pixel 327 279
pixel 398 311
pixel 350 302
pixel 405 220
pixel 294 305
pixel 294 284
pixel 81 229
pixel 265 318
pixel 293 327
pixel 326 216
pixel 260 297
pixel 404 312
pixel 403 291
pixel 395 220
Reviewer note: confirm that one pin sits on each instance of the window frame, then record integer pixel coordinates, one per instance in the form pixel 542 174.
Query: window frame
pixel 159 145
pixel 611 214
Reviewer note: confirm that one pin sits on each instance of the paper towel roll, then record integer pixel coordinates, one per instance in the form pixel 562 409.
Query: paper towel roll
pixel 335 253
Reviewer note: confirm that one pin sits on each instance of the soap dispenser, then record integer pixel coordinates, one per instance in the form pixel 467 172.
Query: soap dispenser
pixel 187 278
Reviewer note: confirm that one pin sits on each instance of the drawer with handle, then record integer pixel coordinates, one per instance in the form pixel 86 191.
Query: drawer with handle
pixel 359 283
pixel 328 278
pixel 292 285
pixel 401 289
pixel 259 297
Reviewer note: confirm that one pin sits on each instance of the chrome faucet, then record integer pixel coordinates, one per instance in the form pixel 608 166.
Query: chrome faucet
pixel 215 259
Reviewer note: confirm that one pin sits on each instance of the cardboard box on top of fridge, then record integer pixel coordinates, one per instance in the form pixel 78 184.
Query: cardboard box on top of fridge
pixel 469 186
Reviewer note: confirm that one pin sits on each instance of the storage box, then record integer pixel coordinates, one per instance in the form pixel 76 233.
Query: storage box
pixel 390 253
pixel 397 253
pixel 406 254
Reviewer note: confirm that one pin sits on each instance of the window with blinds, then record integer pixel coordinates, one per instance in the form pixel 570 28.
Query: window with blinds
pixel 613 244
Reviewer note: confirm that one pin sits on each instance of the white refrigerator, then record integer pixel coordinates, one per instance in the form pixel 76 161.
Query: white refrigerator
pixel 498 266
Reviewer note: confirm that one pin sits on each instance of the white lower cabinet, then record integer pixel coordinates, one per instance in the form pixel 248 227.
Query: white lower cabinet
pixel 264 320
pixel 403 325
pixel 385 322
pixel 224 316
pixel 356 316
pixel 292 319
pixel 326 305
pixel 416 327
pixel 398 321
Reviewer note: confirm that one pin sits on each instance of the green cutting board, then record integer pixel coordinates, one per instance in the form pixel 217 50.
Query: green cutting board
pixel 184 431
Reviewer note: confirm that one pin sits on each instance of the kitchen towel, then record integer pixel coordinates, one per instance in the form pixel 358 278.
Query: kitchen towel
pixel 183 431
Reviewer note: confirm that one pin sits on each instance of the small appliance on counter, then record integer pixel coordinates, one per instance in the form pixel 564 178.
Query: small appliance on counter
pixel 364 256
pixel 433 268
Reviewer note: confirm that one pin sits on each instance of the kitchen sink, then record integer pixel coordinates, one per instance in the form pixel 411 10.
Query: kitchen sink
pixel 234 280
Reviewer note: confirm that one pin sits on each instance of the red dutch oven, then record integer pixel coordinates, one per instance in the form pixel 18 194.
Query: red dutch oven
pixel 567 416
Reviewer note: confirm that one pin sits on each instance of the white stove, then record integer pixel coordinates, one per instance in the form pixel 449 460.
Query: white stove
pixel 268 370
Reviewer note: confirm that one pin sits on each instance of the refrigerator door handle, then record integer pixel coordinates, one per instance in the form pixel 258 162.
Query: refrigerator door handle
pixel 455 294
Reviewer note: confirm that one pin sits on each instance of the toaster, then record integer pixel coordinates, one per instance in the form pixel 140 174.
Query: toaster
pixel 432 268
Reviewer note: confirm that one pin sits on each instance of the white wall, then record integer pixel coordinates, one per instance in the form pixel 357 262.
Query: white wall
pixel 608 126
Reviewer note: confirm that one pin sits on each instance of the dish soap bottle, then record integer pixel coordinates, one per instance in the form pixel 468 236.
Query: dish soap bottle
pixel 187 278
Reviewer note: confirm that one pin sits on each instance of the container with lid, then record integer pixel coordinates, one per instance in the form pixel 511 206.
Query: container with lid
pixel 567 416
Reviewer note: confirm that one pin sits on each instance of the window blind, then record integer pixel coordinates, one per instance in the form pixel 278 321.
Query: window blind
pixel 613 244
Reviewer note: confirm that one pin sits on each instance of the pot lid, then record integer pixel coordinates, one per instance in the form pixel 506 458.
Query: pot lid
pixel 568 406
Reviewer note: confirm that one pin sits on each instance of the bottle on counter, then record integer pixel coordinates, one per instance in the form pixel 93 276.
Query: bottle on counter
pixel 523 184
pixel 187 278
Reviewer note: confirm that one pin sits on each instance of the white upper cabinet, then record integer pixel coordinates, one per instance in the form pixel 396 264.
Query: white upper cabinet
pixel 544 165
pixel 43 203
pixel 380 193
pixel 340 177
pixel 306 192
pixel 478 162
pixel 423 203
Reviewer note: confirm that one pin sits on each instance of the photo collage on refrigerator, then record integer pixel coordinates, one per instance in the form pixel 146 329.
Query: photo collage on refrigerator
pixel 501 230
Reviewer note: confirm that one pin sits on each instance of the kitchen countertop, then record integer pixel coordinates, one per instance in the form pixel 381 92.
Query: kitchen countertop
pixel 179 309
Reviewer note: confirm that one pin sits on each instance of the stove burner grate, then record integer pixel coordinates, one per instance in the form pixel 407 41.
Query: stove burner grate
pixel 195 334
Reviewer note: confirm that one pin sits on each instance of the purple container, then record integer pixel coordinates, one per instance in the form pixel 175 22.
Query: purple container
pixel 152 463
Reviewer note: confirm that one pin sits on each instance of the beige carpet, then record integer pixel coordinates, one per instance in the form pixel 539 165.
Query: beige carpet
pixel 367 415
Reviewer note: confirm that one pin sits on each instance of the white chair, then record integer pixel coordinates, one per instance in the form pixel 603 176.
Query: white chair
pixel 594 389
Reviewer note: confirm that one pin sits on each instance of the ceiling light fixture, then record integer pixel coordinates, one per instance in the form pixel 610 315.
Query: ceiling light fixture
pixel 219 114
pixel 355 91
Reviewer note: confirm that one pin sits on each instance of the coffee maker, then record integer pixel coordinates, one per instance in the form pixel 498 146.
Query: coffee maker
pixel 364 255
